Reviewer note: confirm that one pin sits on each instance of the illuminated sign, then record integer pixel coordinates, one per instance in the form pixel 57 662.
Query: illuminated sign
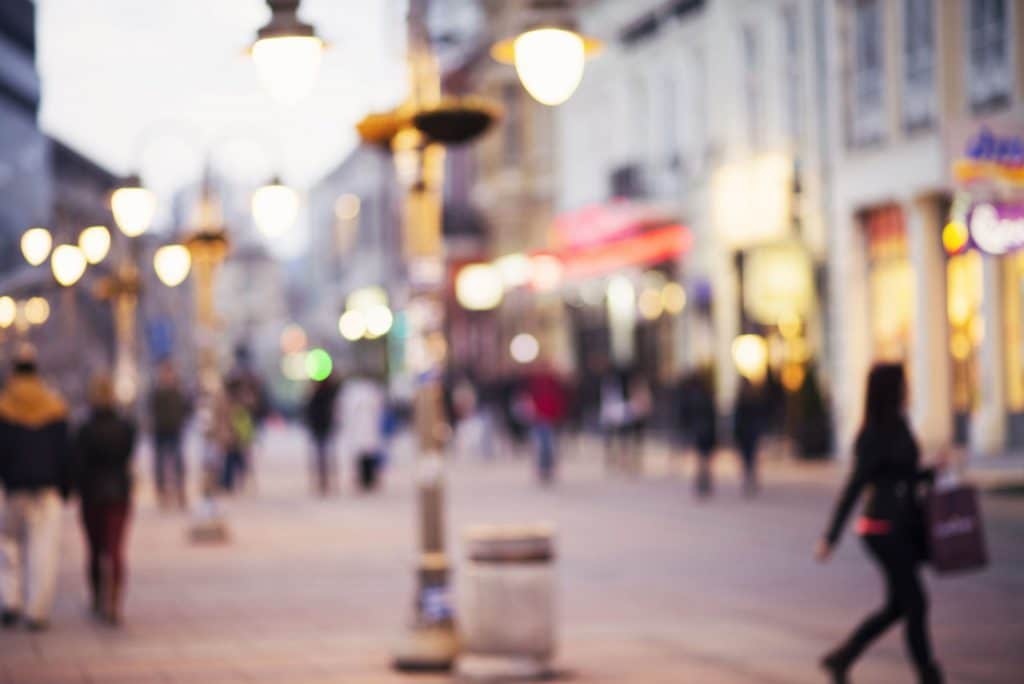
pixel 997 228
pixel 992 157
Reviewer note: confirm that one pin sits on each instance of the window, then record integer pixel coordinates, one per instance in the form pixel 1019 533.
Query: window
pixel 989 74
pixel 918 64
pixel 867 125
pixel 752 85
pixel 793 72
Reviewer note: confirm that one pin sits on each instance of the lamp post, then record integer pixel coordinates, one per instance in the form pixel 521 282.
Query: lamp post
pixel 416 134
pixel 549 54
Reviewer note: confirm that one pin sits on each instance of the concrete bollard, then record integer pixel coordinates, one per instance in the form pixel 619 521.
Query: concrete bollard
pixel 507 603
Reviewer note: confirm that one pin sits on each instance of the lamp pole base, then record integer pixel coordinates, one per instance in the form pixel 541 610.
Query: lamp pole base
pixel 430 648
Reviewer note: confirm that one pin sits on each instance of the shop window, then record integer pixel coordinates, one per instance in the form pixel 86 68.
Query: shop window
pixel 890 284
pixel 918 64
pixel 989 71
pixel 1013 318
pixel 966 326
pixel 867 125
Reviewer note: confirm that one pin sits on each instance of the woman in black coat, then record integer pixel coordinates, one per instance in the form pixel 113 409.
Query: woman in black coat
pixel 105 444
pixel 891 525
pixel 320 421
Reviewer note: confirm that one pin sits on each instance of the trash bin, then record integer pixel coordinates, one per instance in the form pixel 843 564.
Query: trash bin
pixel 506 615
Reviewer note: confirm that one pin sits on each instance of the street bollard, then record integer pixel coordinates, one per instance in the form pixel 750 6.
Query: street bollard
pixel 507 603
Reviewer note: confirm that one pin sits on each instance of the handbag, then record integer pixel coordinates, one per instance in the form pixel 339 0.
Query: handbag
pixel 956 532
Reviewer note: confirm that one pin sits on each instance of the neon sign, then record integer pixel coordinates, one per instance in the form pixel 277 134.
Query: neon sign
pixel 991 157
pixel 997 228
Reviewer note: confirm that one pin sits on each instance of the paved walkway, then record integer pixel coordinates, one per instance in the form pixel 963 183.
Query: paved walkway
pixel 655 586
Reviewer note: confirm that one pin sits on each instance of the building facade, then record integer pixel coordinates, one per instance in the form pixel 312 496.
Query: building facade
pixel 925 104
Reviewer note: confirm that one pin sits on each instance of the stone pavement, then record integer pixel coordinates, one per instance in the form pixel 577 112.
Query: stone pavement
pixel 655 587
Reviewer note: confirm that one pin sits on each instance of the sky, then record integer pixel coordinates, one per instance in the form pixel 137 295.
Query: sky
pixel 155 85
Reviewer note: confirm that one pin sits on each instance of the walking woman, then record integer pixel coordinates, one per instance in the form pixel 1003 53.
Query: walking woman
pixel 891 526
pixel 105 443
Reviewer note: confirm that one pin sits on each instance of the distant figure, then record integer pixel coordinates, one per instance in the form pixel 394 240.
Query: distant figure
pixel 362 413
pixel 699 420
pixel 614 416
pixel 105 444
pixel 169 409
pixel 548 404
pixel 36 472
pixel 891 526
pixel 239 430
pixel 320 421
pixel 749 420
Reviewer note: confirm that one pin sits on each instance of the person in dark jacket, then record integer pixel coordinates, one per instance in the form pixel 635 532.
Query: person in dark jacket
pixel 699 420
pixel 749 419
pixel 104 444
pixel 320 421
pixel 891 526
pixel 36 470
pixel 169 411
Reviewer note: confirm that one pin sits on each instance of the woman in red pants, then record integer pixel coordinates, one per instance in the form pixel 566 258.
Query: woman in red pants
pixel 105 443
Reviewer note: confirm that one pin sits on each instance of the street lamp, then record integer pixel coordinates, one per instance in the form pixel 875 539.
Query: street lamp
pixel 94 242
pixel 549 56
pixel 172 264
pixel 134 207
pixel 68 264
pixel 36 244
pixel 287 53
pixel 275 207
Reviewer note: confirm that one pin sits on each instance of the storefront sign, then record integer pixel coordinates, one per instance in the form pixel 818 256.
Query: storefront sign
pixel 997 228
pixel 992 153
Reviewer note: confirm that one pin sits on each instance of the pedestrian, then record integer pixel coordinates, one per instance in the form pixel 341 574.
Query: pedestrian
pixel 362 407
pixel 547 401
pixel 615 416
pixel 891 526
pixel 238 429
pixel 320 421
pixel 36 473
pixel 104 445
pixel 699 420
pixel 748 423
pixel 169 409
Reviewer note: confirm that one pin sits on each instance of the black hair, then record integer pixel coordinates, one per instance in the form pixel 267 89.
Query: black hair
pixel 887 391
pixel 25 367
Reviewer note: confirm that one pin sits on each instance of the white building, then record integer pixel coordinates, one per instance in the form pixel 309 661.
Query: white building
pixel 910 83
pixel 709 110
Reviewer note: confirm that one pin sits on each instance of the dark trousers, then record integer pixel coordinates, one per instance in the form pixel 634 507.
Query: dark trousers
pixel 904 600
pixel 105 525
pixel 704 480
pixel 233 469
pixel 748 455
pixel 323 464
pixel 168 457
pixel 544 434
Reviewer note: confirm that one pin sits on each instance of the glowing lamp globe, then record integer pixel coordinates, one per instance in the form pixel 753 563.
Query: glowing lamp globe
pixel 68 264
pixel 172 264
pixel 37 310
pixel 549 63
pixel 36 244
pixel 94 242
pixel 352 325
pixel 134 208
pixel 750 354
pixel 288 65
pixel 275 208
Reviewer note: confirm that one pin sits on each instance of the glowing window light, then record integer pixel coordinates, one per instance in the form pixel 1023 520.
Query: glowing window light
pixel 524 348
pixel 750 354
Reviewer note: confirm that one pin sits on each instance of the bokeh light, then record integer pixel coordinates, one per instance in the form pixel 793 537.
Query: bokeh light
pixel 319 364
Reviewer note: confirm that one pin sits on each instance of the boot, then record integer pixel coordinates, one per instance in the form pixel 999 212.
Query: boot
pixel 932 674
pixel 837 664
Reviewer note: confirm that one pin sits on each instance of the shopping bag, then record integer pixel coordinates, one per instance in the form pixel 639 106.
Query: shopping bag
pixel 956 533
